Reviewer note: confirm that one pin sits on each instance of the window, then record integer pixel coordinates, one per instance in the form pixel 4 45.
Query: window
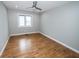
pixel 21 21
pixel 24 21
pixel 28 21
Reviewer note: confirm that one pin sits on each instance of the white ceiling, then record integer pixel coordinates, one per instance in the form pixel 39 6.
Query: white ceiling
pixel 23 5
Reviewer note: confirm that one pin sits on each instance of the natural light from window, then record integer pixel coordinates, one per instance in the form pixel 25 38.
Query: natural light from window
pixel 25 21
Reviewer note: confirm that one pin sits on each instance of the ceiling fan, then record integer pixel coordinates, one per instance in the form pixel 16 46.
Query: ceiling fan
pixel 35 6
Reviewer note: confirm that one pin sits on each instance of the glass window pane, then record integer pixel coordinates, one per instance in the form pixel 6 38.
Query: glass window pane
pixel 28 24
pixel 21 21
pixel 28 21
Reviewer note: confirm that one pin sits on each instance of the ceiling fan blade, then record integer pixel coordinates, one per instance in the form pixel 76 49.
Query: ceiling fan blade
pixel 34 4
pixel 38 8
pixel 28 7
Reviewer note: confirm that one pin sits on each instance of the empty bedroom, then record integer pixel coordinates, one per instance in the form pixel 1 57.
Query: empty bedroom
pixel 39 29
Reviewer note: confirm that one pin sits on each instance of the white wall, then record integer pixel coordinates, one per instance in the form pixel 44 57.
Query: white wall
pixel 3 26
pixel 62 23
pixel 13 22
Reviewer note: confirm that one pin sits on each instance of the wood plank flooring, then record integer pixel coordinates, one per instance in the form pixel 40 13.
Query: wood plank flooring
pixel 36 46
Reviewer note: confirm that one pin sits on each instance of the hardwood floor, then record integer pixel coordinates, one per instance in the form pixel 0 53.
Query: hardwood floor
pixel 35 46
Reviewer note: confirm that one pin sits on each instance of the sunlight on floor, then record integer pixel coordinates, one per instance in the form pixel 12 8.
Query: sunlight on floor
pixel 24 44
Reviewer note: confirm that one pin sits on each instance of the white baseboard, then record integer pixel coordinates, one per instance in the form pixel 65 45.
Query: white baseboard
pixel 61 43
pixel 23 33
pixel 4 46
